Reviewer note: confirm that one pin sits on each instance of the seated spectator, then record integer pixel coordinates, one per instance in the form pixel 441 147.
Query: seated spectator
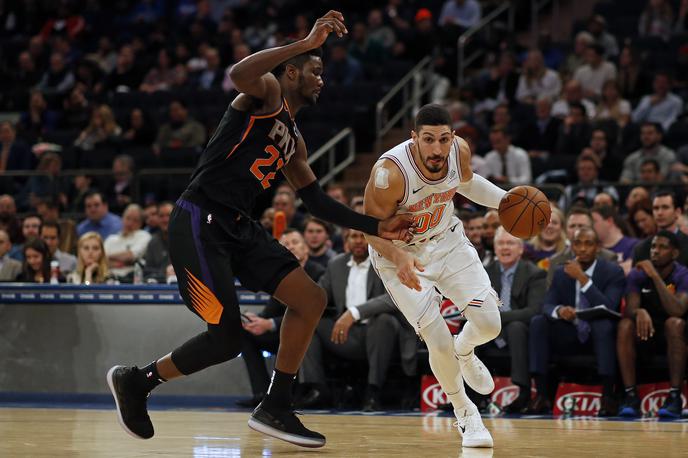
pixel 490 227
pixel 121 189
pixel 360 323
pixel 30 229
pixel 47 185
pixel 58 79
pixel 363 48
pixel 595 72
pixel 657 20
pixel 98 218
pixel 537 81
pixel 102 128
pixel 379 31
pixel 666 212
pixel 10 268
pixel 549 242
pixel 608 225
pixel 597 26
pixel 8 218
pixel 588 185
pixel 141 130
pixel 91 264
pixel 162 76
pixel 38 120
pixel 151 220
pixel 286 202
pixel 474 226
pixel 507 163
pixel 603 198
pixel 76 109
pixel 317 234
pixel 574 132
pixel 612 106
pixel 14 154
pixel 539 137
pixel 36 265
pixel 501 117
pixel 24 76
pixel 650 173
pixel 651 140
pixel 49 210
pixel 521 288
pixel 637 194
pixel 157 256
pixel 584 282
pixel 576 59
pixel 577 218
pixel 599 146
pixel 50 234
pixel 503 81
pixel 267 220
pixel 128 246
pixel 182 131
pixel 572 94
pixel 654 323
pixel 341 68
pixel 640 219
pixel 262 331
pixel 81 186
pixel 211 77
pixel 126 76
pixel 662 106
pixel 633 80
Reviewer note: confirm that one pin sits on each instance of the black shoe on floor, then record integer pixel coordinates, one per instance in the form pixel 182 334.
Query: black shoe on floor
pixel 672 407
pixel 609 407
pixel 251 402
pixel 371 401
pixel 284 425
pixel 630 407
pixel 130 401
pixel 315 398
pixel 518 406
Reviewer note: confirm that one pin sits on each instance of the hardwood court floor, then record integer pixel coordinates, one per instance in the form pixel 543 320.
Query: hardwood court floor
pixel 29 432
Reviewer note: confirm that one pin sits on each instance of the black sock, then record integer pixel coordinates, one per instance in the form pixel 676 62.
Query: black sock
pixel 541 385
pixel 608 386
pixel 151 378
pixel 674 392
pixel 279 391
pixel 631 391
pixel 523 392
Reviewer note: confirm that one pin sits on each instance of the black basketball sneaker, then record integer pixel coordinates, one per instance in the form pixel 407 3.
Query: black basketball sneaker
pixel 284 425
pixel 130 400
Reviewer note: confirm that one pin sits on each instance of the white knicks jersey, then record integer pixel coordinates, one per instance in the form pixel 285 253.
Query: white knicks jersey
pixel 430 202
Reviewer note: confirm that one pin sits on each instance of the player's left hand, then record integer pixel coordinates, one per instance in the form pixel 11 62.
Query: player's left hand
pixel 398 227
pixel 340 331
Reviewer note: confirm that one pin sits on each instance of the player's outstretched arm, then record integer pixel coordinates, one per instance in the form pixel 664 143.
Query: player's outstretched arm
pixel 252 74
pixel 302 178
pixel 473 186
pixel 384 191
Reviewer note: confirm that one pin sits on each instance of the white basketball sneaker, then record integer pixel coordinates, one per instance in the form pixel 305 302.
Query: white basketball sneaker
pixel 470 425
pixel 475 373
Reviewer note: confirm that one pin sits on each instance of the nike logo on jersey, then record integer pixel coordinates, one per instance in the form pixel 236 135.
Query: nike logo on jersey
pixel 416 190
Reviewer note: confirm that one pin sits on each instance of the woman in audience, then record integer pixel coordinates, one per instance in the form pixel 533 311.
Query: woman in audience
pixel 162 76
pixel 640 219
pixel 91 263
pixel 549 242
pixel 141 131
pixel 100 129
pixel 36 267
pixel 633 82
pixel 612 106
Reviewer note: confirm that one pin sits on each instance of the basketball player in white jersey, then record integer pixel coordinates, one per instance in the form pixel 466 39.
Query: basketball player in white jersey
pixel 421 176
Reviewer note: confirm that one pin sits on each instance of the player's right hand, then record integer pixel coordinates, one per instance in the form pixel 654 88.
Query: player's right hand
pixel 643 325
pixel 406 266
pixel 333 21
pixel 398 227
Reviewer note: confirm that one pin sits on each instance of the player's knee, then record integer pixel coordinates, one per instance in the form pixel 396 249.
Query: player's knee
pixel 674 326
pixel 491 327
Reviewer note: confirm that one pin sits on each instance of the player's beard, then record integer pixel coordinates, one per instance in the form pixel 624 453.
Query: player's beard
pixel 432 168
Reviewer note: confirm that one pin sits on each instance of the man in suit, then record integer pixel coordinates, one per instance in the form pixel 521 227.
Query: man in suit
pixel 577 218
pixel 262 331
pixel 359 323
pixel 585 281
pixel 521 288
pixel 666 212
pixel 9 268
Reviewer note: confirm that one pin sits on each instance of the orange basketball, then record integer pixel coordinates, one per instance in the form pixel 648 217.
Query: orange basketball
pixel 524 211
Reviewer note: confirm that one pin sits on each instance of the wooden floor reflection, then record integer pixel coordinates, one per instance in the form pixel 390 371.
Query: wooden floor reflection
pixel 29 432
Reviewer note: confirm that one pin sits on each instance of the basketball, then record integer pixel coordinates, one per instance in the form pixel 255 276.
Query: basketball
pixel 524 211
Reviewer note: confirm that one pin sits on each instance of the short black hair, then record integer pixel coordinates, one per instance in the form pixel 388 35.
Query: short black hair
pixel 578 106
pixel 432 114
pixel 665 193
pixel 598 48
pixel 297 61
pixel 651 161
pixel 658 127
pixel 313 220
pixel 53 224
pixel 670 236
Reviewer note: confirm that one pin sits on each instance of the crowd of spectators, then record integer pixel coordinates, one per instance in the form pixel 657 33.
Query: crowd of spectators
pixel 134 84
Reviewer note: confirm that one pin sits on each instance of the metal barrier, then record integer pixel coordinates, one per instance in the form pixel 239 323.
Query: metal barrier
pixel 463 60
pixel 417 82
pixel 330 149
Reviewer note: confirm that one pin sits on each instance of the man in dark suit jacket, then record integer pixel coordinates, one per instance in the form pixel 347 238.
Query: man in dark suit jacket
pixel 586 281
pixel 261 332
pixel 540 136
pixel 521 288
pixel 360 323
